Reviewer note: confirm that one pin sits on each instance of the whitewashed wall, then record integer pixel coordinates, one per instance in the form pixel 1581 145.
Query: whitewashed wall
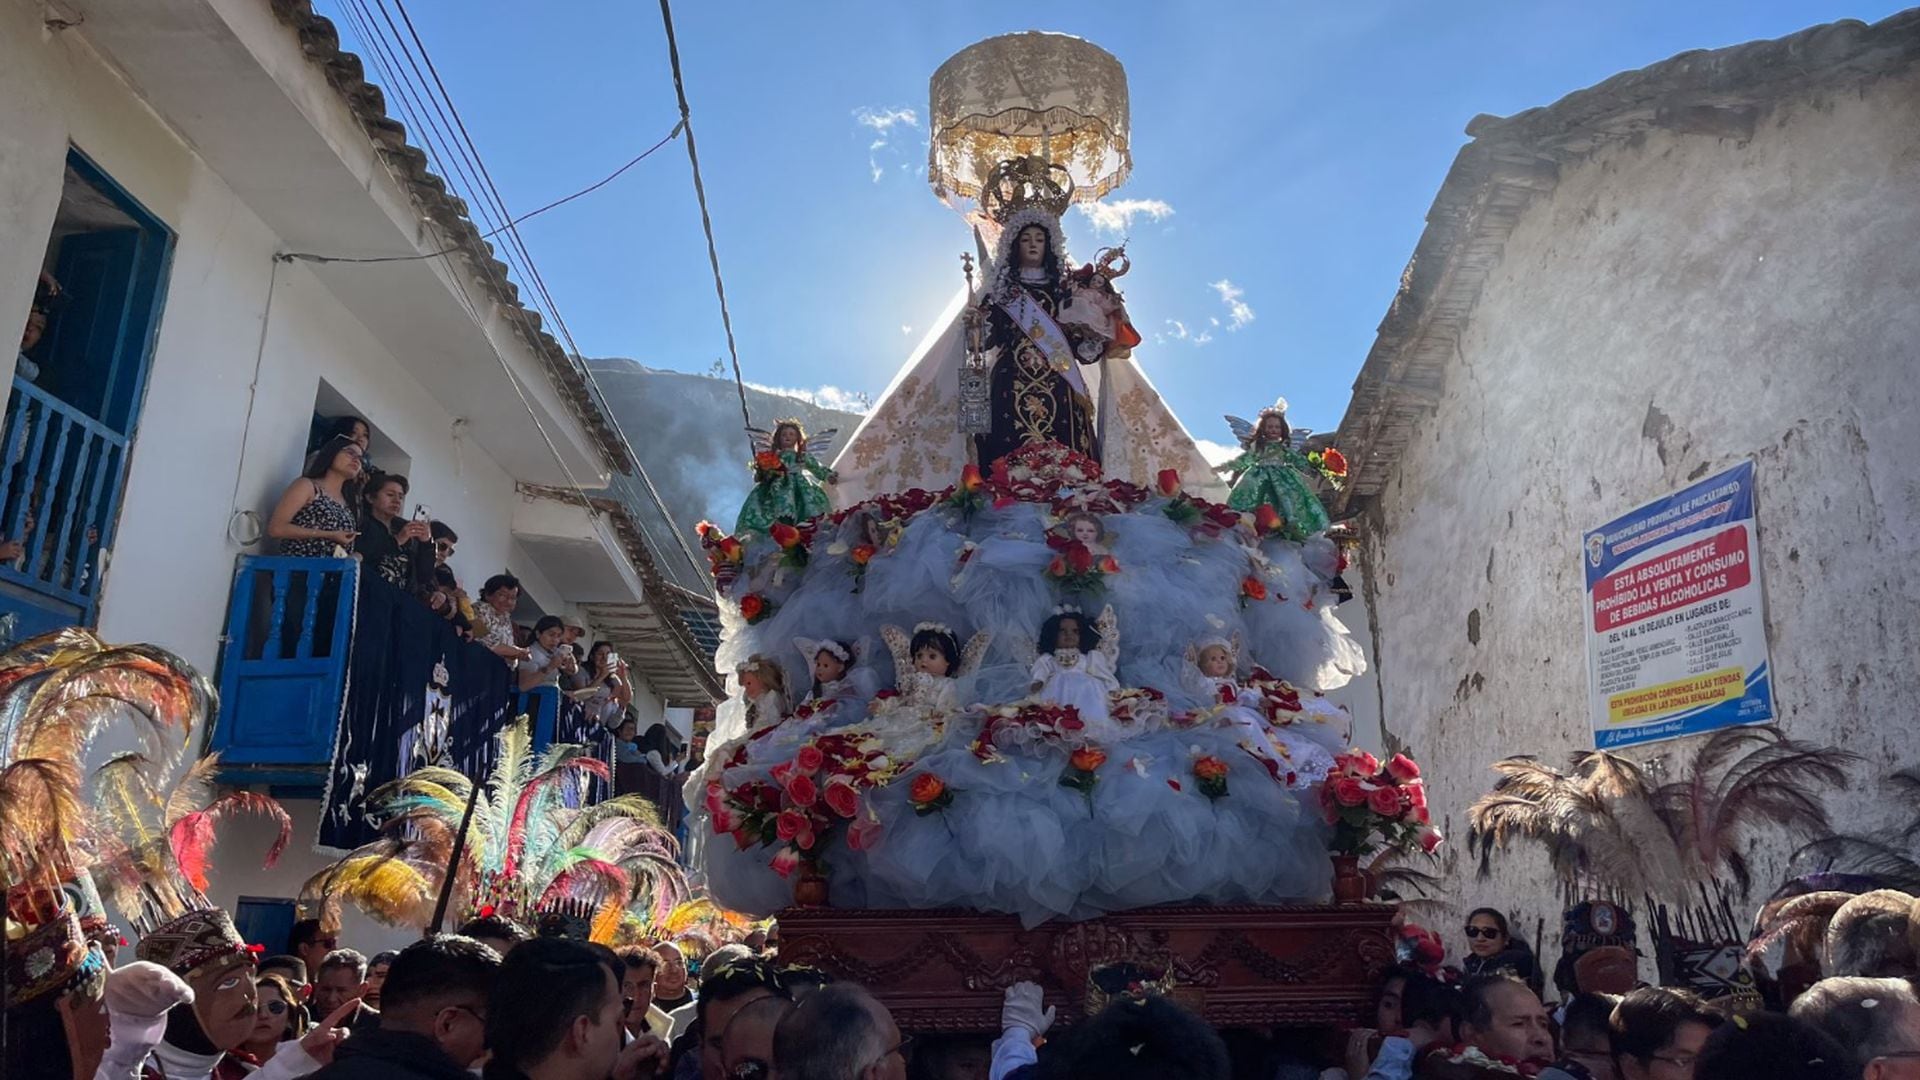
pixel 1677 303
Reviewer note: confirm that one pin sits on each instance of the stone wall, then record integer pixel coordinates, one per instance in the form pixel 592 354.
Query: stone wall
pixel 1674 304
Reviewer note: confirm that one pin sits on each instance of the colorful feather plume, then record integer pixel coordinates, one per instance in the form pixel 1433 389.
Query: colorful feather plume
pixel 58 693
pixel 530 845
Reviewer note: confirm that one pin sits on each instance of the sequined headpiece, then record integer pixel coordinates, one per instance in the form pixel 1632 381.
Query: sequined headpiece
pixel 193 940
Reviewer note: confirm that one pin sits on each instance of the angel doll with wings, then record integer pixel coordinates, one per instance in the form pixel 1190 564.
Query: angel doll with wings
pixel 929 664
pixel 1211 675
pixel 1075 664
pixel 787 477
pixel 1270 472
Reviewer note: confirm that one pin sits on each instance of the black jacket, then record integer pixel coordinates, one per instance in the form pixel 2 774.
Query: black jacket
pixel 382 1054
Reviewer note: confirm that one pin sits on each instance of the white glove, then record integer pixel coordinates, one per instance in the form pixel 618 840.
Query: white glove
pixel 139 996
pixel 1022 1009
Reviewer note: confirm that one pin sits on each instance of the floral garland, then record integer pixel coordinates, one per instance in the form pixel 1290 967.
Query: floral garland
pixel 1371 805
pixel 1464 1056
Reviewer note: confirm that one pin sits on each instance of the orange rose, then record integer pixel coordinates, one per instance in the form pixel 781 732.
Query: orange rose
pixel 926 788
pixel 1109 565
pixel 862 554
pixel 705 529
pixel 1334 461
pixel 1253 588
pixel 1087 758
pixel 784 534
pixel 766 459
pixel 970 479
pixel 1209 768
pixel 731 549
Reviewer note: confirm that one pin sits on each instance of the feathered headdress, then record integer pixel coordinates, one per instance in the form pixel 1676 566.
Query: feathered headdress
pixel 530 847
pixel 165 841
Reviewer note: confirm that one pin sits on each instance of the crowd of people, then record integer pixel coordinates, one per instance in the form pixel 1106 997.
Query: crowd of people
pixel 343 505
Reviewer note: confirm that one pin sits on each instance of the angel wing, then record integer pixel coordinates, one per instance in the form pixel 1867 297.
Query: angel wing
pixel 1108 626
pixel 820 442
pixel 1024 649
pixel 763 439
pixel 901 646
pixel 976 648
pixel 1242 429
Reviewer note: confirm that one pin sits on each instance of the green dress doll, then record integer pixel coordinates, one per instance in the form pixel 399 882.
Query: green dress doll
pixel 1271 473
pixel 787 477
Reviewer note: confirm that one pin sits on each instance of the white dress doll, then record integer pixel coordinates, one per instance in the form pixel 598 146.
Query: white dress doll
pixel 1075 666
pixel 1211 674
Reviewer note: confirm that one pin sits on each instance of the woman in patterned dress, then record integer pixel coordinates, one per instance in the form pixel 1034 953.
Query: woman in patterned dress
pixel 313 518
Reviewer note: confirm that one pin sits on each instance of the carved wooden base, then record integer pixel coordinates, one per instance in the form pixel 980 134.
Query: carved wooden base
pixel 944 971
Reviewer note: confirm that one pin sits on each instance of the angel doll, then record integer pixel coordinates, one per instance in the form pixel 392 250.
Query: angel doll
pixel 929 665
pixel 1086 529
pixel 1211 674
pixel 787 475
pixel 839 685
pixel 1269 473
pixel 763 686
pixel 1075 665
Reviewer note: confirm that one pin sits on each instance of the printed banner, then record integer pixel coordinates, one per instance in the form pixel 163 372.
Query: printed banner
pixel 1676 625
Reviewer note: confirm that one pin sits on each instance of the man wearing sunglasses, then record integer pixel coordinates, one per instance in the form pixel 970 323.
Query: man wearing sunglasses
pixel 311 943
pixel 435 1021
pixel 1877 1019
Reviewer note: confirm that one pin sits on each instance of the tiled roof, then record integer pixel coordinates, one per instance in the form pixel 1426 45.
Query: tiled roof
pixel 1511 160
pixel 344 71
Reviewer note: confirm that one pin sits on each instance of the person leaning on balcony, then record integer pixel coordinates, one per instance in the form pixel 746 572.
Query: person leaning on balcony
pixel 314 515
pixel 498 597
pixel 384 533
pixel 549 659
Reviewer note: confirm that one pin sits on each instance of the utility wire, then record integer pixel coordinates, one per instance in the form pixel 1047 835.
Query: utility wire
pixel 706 219
pixel 610 178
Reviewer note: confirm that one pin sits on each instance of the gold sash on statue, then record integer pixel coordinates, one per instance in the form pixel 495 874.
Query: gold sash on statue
pixel 1040 328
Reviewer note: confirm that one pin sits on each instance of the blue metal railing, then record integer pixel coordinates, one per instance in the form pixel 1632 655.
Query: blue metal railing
pixel 59 492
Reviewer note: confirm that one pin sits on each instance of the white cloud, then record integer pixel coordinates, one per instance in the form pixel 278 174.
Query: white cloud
pixel 882 122
pixel 1216 453
pixel 826 397
pixel 905 330
pixel 1230 295
pixel 1116 217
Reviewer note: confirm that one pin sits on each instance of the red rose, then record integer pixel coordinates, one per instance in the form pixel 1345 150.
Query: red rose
pixel 809 759
pixel 1402 768
pixel 1364 763
pixel 862 554
pixel 1169 482
pixel 841 798
pixel 1416 795
pixel 1087 758
pixel 1253 588
pixel 1348 792
pixel 705 529
pixel 1058 567
pixel 745 838
pixel 1109 565
pixel 751 605
pixel 784 534
pixel 766 459
pixel 781 771
pixel 970 479
pixel 802 790
pixel 790 823
pixel 926 788
pixel 1384 801
pixel 716 795
pixel 1430 840
pixel 730 548
pixel 785 862
pixel 1079 558
pixel 1267 520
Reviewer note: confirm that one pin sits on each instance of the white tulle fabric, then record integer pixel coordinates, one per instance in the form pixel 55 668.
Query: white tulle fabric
pixel 1014 840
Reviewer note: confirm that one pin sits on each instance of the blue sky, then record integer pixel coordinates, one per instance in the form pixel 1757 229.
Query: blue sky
pixel 1291 152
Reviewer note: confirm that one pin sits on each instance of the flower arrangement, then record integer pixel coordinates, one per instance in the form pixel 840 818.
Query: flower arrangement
pixel 1076 569
pixel 756 608
pixel 969 494
pixel 1371 805
pixel 1037 472
pixel 1081 771
pixel 1209 775
pixel 806 800
pixel 1332 465
pixel 767 465
pixel 1021 724
pixel 929 794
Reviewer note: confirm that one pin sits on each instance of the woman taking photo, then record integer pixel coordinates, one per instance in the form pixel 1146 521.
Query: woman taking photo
pixel 313 517
pixel 548 659
pixel 604 689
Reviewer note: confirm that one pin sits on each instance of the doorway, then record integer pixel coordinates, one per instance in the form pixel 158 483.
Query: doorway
pixel 78 383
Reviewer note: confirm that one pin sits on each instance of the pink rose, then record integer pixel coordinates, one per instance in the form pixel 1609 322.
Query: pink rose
pixel 716 796
pixel 1403 769
pixel 802 790
pixel 1364 763
pixel 725 820
pixel 1348 792
pixel 1384 801
pixel 864 834
pixel 809 759
pixel 841 798
pixel 1430 840
pixel 780 772
pixel 790 823
pixel 1421 814
pixel 785 862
